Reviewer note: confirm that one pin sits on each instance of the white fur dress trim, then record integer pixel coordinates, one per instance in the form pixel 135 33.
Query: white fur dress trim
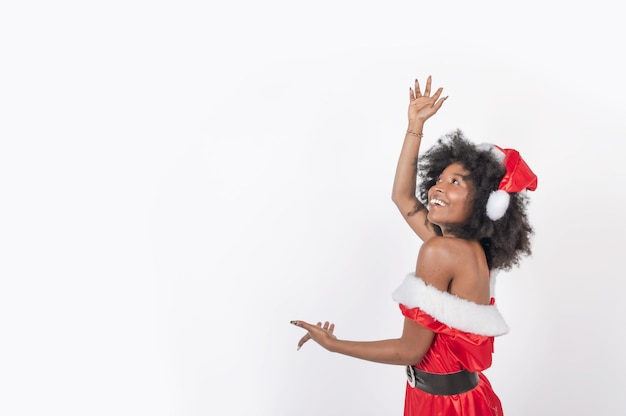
pixel 450 309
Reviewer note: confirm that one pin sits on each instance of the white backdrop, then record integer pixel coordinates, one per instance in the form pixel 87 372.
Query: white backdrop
pixel 179 180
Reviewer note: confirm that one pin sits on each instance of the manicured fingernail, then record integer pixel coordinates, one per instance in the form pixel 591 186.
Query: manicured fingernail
pixel 294 322
pixel 298 349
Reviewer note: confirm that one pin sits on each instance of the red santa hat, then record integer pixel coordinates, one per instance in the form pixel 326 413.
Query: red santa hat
pixel 518 177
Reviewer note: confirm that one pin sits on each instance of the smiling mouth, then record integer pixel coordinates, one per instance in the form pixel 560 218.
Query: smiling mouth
pixel 437 202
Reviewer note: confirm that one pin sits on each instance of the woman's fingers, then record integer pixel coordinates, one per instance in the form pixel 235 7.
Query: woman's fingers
pixel 439 103
pixel 418 92
pixel 305 325
pixel 437 94
pixel 415 92
pixel 311 329
pixel 303 340
pixel 307 336
pixel 427 89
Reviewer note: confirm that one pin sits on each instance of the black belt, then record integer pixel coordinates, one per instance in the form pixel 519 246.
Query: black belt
pixel 442 384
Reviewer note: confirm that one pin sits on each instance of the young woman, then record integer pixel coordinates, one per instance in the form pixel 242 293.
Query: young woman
pixel 470 210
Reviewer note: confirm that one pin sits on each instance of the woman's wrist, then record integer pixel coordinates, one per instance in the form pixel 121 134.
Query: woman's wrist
pixel 415 130
pixel 416 125
pixel 333 345
pixel 414 133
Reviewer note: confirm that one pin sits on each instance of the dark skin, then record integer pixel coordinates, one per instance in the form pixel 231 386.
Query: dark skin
pixel 448 263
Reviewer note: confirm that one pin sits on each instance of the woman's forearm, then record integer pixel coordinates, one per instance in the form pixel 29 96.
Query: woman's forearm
pixel 390 351
pixel 406 174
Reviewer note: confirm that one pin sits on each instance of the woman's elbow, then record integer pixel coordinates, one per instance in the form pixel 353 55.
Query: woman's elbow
pixel 413 359
pixel 411 355
pixel 395 198
pixel 402 201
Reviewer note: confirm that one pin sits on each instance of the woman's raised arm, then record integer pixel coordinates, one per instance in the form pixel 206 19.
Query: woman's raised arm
pixel 421 108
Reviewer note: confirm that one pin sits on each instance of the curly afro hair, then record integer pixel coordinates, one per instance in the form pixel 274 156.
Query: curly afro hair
pixel 504 241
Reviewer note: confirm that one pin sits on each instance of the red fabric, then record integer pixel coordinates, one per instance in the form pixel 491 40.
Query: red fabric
pixel 451 351
pixel 518 176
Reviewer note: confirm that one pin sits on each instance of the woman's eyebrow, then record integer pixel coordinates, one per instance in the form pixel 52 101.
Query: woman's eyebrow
pixel 464 177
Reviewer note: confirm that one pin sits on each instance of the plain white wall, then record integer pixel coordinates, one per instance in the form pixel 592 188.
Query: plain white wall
pixel 179 180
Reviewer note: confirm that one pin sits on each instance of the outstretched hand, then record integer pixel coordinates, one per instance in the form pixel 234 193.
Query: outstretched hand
pixel 322 334
pixel 423 106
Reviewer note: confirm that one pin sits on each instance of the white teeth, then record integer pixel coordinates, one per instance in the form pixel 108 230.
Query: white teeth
pixel 439 202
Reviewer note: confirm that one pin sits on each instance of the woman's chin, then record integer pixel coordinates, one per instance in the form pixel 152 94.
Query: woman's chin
pixel 432 218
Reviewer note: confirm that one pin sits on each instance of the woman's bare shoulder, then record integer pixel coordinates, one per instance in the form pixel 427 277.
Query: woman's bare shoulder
pixel 434 262
pixel 440 248
pixel 442 259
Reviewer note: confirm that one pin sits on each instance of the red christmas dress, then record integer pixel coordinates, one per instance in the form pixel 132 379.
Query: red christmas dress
pixel 464 336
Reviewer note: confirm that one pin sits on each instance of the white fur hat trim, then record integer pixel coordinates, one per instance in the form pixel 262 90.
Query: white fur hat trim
pixel 449 309
pixel 488 147
pixel 497 204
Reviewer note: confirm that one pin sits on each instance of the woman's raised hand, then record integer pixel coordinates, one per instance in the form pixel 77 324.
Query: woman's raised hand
pixel 422 105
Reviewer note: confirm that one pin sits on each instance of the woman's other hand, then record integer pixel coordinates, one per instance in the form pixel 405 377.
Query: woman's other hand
pixel 322 334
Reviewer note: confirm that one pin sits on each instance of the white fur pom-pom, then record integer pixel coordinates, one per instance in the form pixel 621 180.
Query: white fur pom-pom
pixel 497 204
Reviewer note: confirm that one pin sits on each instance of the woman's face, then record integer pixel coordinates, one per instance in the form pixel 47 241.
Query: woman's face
pixel 450 199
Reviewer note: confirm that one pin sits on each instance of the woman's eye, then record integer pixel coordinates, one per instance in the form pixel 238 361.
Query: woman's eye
pixel 454 181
